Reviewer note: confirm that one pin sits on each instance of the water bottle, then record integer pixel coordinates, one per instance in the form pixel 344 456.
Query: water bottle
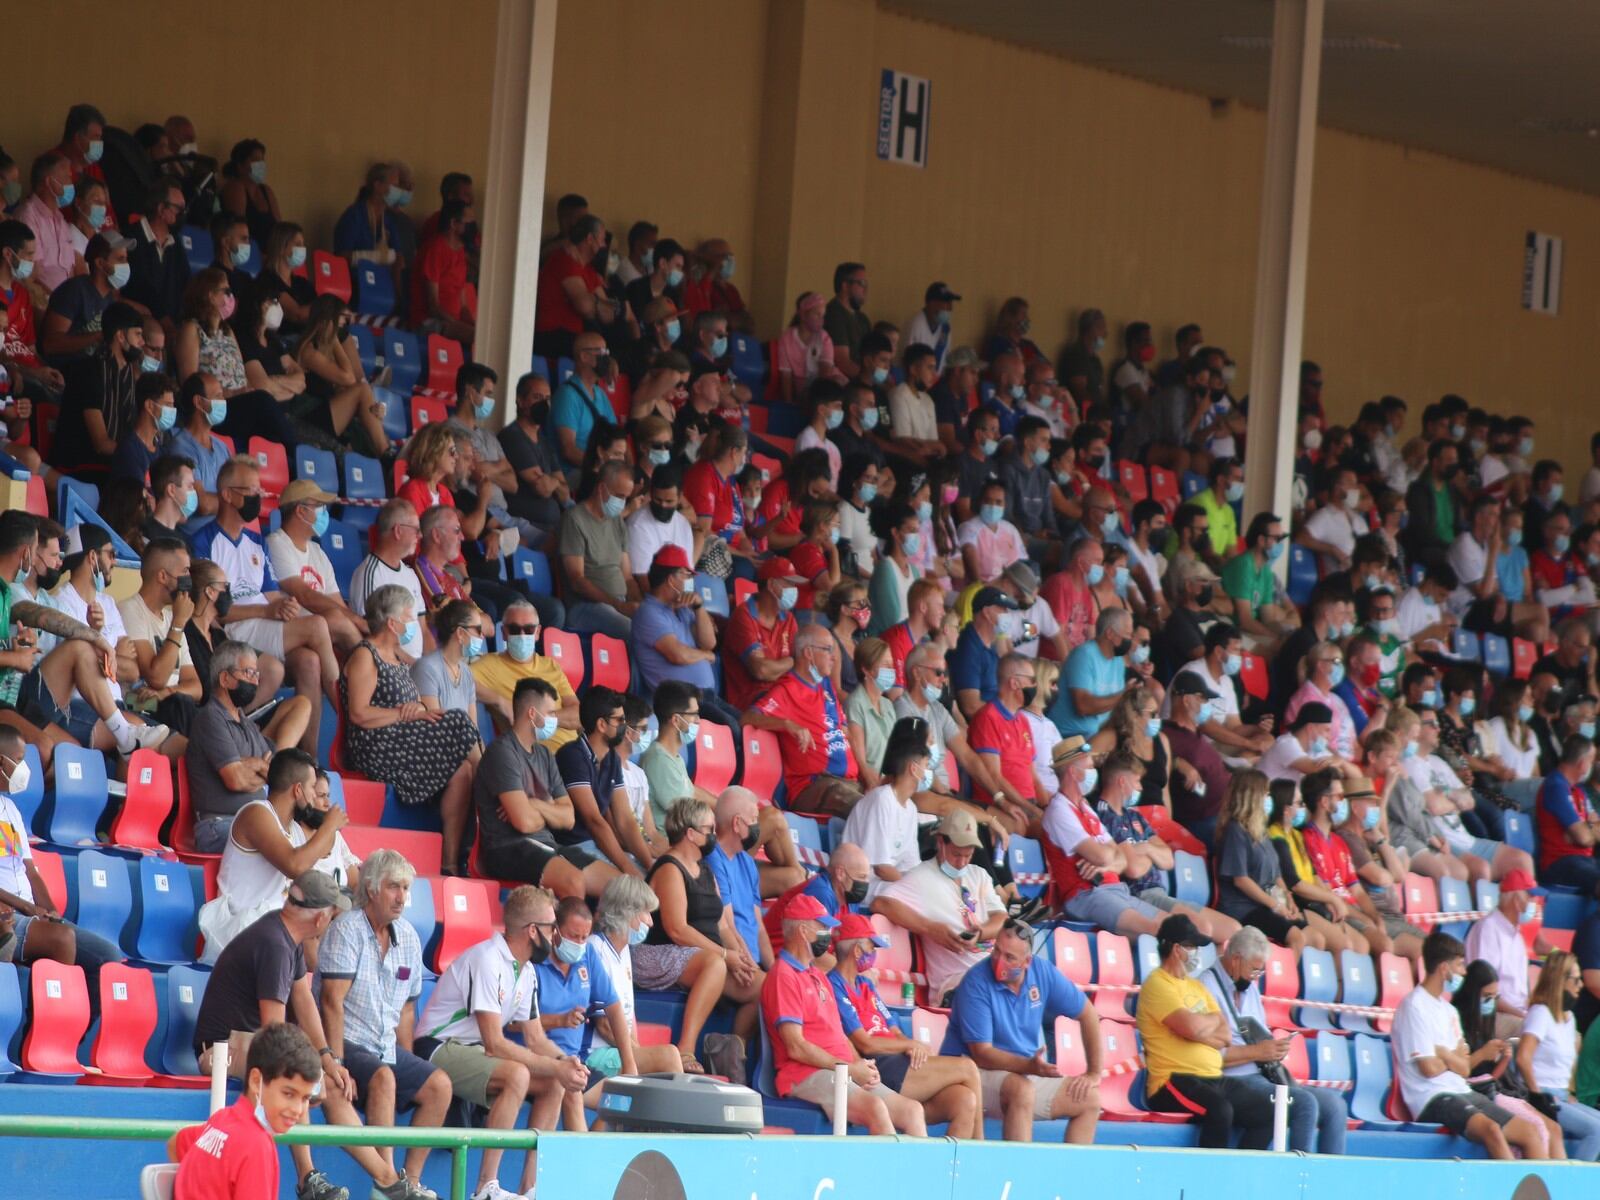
pixel 908 994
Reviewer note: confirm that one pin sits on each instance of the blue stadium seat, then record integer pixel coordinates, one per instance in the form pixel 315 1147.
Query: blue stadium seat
pixel 1026 857
pixel 374 289
pixel 197 247
pixel 1496 654
pixel 66 485
pixel 1193 885
pixel 363 480
pixel 396 413
pixel 1455 896
pixel 419 912
pixel 105 895
pixel 1192 484
pixel 186 987
pixel 366 347
pixel 1302 574
pixel 30 798
pixel 1359 986
pixel 1146 956
pixel 563 370
pixel 80 797
pixel 713 594
pixel 985 391
pixel 1464 644
pixel 1564 910
pixel 1519 831
pixel 540 367
pixel 345 546
pixel 1417 572
pixel 402 354
pixel 1486 893
pixel 317 465
pixel 749 367
pixel 252 264
pixel 806 834
pixel 532 567
pixel 1374 1073
pixel 1330 1057
pixel 10 1016
pixel 785 420
pixel 1319 980
pixel 76 510
pixel 164 913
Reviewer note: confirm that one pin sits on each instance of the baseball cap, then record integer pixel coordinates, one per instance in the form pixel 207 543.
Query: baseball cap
pixel 671 556
pixel 1188 683
pixel 660 309
pixel 809 908
pixel 317 890
pixel 939 291
pixel 1068 749
pixel 1516 880
pixel 1191 569
pixel 1179 930
pixel 854 925
pixel 779 568
pixel 959 827
pixel 991 597
pixel 1022 575
pixel 107 241
pixel 302 491
pixel 963 356
pixel 1314 713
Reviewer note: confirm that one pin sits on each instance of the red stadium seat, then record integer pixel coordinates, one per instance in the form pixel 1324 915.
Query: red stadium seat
pixel 763 762
pixel 1420 895
pixel 330 275
pixel 464 919
pixel 400 466
pixel 567 650
pixel 1394 985
pixel 149 801
pixel 1280 984
pixel 1132 476
pixel 183 823
pixel 610 659
pixel 1253 674
pixel 274 463
pixel 895 961
pixel 226 441
pixel 1298 1060
pixel 54 875
pixel 444 360
pixel 1071 1057
pixel 1119 1060
pixel 770 467
pixel 422 849
pixel 743 589
pixel 38 499
pixel 1170 831
pixel 364 800
pixel 1113 965
pixel 929 1027
pixel 127 1023
pixel 1074 959
pixel 428 410
pixel 60 1019
pixel 1164 488
pixel 1523 655
pixel 714 758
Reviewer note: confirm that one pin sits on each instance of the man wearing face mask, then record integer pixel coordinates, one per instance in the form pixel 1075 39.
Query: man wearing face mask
pixel 88 561
pixel 1332 530
pixel 498 674
pixel 1317 1116
pixel 840 888
pixel 1197 800
pixel 988 542
pixel 477 400
pixel 1027 487
pixel 1080 367
pixel 52 189
pixel 673 637
pixel 1069 592
pixel 975 662
pixel 662 522
pixel 931 325
pixel 1001 731
pixel 142 442
pixel 462 1031
pixel 977 464
pixel 98 406
pixel 593 543
pixel 575 990
pixel 591 767
pixel 19 341
pixel 802 708
pixel 1324 794
pixel 1048 401
pixel 741 881
pixel 542 490
pixel 302 567
pixel 72 325
pixel 1497 939
pixel 1095 676
pixel 158 266
pixel 230 234
pixel 154 618
pixel 1569 830
pixel 1425 621
pixel 1433 502
pixel 1544 501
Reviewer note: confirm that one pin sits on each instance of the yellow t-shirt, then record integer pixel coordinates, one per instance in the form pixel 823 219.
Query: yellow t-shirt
pixel 1165 1053
pixel 500 674
pixel 1224 528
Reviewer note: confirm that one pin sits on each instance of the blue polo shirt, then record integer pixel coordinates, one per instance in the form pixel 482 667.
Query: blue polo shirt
pixel 739 881
pixel 586 985
pixel 577 410
pixel 580 768
pixel 987 1011
pixel 974 665
pixel 1087 670
pixel 651 623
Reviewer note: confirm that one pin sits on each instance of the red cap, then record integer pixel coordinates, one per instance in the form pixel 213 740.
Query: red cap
pixel 671 556
pixel 1517 880
pixel 854 925
pixel 780 568
pixel 809 908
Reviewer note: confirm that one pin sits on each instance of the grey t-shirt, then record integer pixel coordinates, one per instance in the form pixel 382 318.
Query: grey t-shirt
pixel 1237 857
pixel 1028 495
pixel 941 725
pixel 215 741
pixel 507 767
pixel 431 674
pixel 261 963
pixel 488 446
pixel 600 542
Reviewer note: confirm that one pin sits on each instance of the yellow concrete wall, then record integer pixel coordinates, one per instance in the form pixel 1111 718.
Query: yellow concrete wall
pixel 739 118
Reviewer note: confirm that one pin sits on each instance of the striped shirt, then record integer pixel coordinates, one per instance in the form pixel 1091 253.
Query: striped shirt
pixel 374 573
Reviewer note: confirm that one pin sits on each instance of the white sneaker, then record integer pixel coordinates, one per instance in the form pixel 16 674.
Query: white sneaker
pixel 493 1191
pixel 148 737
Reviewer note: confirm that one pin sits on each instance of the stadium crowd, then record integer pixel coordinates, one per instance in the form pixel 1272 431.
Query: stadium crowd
pixel 972 600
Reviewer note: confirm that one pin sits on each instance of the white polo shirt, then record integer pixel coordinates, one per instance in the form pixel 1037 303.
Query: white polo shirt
pixel 485 978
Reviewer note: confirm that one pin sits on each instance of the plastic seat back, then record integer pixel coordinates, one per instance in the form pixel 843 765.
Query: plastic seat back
pixel 197 247
pixel 158 1181
pixel 274 463
pixel 1073 957
pixel 402 354
pixel 444 360
pixel 1253 675
pixel 609 666
pixel 428 410
pixel 364 800
pixel 1394 985
pixel 567 650
pixel 1280 983
pixel 422 849
pixel 1332 1058
pixel 420 911
pixel 165 916
pixel 929 1028
pixel 363 478
pixel 1133 480
pixel 186 987
pixel 105 895
pixel 532 567
pixel 1464 643
pixel 1523 655
pixel 80 796
pixel 1069 1050
pixel 1028 867
pixel 341 542
pixel 148 803
pixel 1319 980
pixel 1302 574
pixel 366 347
pixel 1420 895
pixel 1454 895
pixel 713 594
pixel 1358 985
pixel 10 1015
pixel 59 1003
pixel 1496 655
pixel 1190 878
pixel 763 764
pixel 127 1021
pixel 715 759
pixel 330 275
pixel 374 289
pixel 1519 832
pixel 54 874
pixel 464 919
pixel 1374 1072
pixel 1113 958
pixel 317 465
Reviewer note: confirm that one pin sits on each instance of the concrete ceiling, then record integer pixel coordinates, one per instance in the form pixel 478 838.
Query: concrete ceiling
pixel 1513 84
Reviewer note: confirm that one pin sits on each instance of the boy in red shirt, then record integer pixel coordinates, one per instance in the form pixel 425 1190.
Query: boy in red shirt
pixel 232 1156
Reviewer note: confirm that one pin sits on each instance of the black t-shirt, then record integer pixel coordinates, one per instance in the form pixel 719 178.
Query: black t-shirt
pixel 1180 637
pixel 1573 679
pixel 97 383
pixel 507 767
pixel 522 452
pixel 850 442
pixel 1284 678
pixel 268 351
pixel 580 768
pixel 639 295
pixel 949 408
pixel 261 963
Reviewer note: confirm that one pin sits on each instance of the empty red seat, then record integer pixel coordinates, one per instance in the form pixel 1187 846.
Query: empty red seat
pixel 1523 655
pixel 148 803
pixel 1073 956
pixel 611 667
pixel 60 1018
pixel 1280 984
pixel 714 757
pixel 1253 675
pixel 929 1027
pixel 1164 488
pixel 462 907
pixel 567 650
pixel 444 360
pixel 1113 965
pixel 1394 985
pixel 1132 476
pixel 127 1023
pixel 364 800
pixel 422 849
pixel 273 462
pixel 428 410
pixel 1420 895
pixel 1169 831
pixel 330 275
pixel 763 764
pixel 1071 1057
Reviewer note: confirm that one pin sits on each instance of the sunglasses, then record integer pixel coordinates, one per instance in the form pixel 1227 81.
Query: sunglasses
pixel 513 630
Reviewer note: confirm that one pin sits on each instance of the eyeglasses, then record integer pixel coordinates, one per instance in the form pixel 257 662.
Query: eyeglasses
pixel 514 630
pixel 250 673
pixel 706 831
pixel 549 926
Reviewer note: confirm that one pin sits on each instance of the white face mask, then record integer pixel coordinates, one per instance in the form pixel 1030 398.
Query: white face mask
pixel 21 776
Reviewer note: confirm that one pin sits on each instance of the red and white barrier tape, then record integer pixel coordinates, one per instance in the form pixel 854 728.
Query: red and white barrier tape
pixel 1441 918
pixel 1030 878
pixel 1364 1010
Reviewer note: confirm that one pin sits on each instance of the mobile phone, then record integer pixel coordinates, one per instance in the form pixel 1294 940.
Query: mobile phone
pixel 969 935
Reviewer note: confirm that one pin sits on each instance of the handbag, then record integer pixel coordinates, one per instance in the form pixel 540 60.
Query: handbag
pixel 1253 1033
pixel 716 560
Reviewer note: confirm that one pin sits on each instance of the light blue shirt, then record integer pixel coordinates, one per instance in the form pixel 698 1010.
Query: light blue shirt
pixel 207 463
pixel 1090 671
pixel 575 409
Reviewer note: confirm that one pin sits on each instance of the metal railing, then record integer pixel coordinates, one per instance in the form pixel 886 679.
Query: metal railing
pixel 457 1141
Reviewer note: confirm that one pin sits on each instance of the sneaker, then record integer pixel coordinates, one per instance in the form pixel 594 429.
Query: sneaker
pixel 316 1185
pixel 395 1191
pixel 493 1191
pixel 418 1191
pixel 148 737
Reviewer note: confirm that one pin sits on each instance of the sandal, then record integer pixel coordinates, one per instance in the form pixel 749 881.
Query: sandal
pixel 691 1065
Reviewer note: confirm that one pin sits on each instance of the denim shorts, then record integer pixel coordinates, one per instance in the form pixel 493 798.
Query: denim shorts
pixel 36 703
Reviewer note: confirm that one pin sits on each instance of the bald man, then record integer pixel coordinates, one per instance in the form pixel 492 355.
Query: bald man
pixel 739 832
pixel 841 888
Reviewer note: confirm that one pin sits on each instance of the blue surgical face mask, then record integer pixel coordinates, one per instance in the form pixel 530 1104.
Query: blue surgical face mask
pixel 719 347
pixel 1468 704
pixel 835 534
pixel 95 150
pixel 1319 747
pixel 835 418
pixel 1587 730
pixel 1370 818
pixel 1430 698
pixel 660 458
pixel 612 506
pixel 925 511
pixel 477 647
pixel 1041 456
pixel 1018 391
pixel 1121 579
pixel 570 952
pixel 1452 983
pixel 258 171
pixel 1235 492
pixel 1559 543
pixel 412 634
pixel 166 417
pixel 150 365
pixel 879 374
pixel 1152 727
pixel 520 646
pixel 989 446
pixel 120 274
pixel 1513 537
pixel 867 493
pixel 637 936
pixel 1486 1005
pixel 241 254
pixel 1276 552
pixel 297 257
pixel 674 276
pixel 1299 818
pixel 942 317
pixel 727 267
pixel 1529 914
pixel 1207 711
pixel 67 196
pixel 816 676
pixel 1525 713
pixel 992 514
pixel 931 692
pixel 1095 574
pixel 217 413
pixel 1336 675
pixel 191 501
pixel 646 740
pixel 912 543
pixel 394 195
pixel 869 419
pixel 483 407
pixel 927 779
pixel 788 598
pixel 1341 811
pixel 884 678
pixel 1140 654
pixel 1556 489
pixel 319 523
pixel 1109 524
pixel 547 727
pixel 1233 664
pixel 97 216
pixel 950 872
pixel 1090 780
pixel 1410 751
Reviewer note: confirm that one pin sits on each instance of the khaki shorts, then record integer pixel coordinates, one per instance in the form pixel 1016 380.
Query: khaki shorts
pixel 1044 1095
pixel 817 1088
pixel 261 634
pixel 470 1068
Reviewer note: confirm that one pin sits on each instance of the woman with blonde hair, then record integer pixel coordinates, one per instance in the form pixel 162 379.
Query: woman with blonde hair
pixel 1135 726
pixel 1548 1051
pixel 1046 675
pixel 1250 886
pixel 868 709
pixel 1324 912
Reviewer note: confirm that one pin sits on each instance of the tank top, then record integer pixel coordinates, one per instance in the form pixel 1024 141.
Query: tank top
pixel 703 908
pixel 1155 774
pixel 246 877
pixel 220 356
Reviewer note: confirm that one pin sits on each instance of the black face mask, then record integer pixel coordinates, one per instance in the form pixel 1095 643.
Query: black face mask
pixel 250 509
pixel 1205 595
pixel 311 818
pixel 752 837
pixel 1242 985
pixel 602 365
pixel 223 604
pixel 539 949
pixel 47 580
pixel 601 260
pixel 617 739
pixel 1452 471
pixel 182 585
pixel 662 512
pixel 1095 461
pixel 821 944
pixel 857 891
pixel 537 413
pixel 1029 694
pixel 242 693
pixel 1120 650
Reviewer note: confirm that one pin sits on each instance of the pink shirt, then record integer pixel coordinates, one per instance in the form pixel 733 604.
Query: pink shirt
pixel 1342 734
pixel 53 263
pixel 804 362
pixel 1499 943
pixel 810 439
pixel 995 549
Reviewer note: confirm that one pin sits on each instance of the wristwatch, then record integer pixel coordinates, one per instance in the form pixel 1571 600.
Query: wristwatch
pixel 328 1052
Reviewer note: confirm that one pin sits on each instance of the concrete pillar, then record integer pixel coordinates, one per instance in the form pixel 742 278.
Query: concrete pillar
pixel 1281 266
pixel 511 198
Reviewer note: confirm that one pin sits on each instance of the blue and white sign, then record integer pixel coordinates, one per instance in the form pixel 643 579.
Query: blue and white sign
pixel 903 102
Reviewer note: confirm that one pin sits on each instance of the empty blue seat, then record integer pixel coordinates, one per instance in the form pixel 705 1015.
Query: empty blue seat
pixel 30 798
pixel 396 413
pixel 1319 980
pixel 87 491
pixel 374 289
pixel 807 837
pixel 1146 956
pixel 1487 894
pixel 1563 910
pixel 1455 896
pixel 563 370
pixel 1191 485
pixel 419 912
pixel 1302 574
pixel 1519 831
pixel 363 480
pixel 105 895
pixel 317 465
pixel 713 594
pixel 197 247
pixel 1464 644
pixel 10 1015
pixel 1496 654
pixel 402 354
pixel 1330 1057
pixel 540 367
pixel 1360 986
pixel 186 987
pixel 532 567
pixel 749 367
pixel 1193 885
pixel 1374 1072
pixel 345 546
pixel 366 346
pixel 164 913
pixel 1026 857
pixel 80 797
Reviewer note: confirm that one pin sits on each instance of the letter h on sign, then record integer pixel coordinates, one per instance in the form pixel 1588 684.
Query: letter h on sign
pixel 903 102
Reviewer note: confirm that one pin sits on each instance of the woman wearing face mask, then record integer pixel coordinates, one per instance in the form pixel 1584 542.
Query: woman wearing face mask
pixel 638 738
pixel 1324 912
pixel 1491 1057
pixel 206 342
pixel 245 191
pixel 86 215
pixel 848 613
pixel 805 351
pixel 1135 726
pixel 1250 887
pixel 900 536
pixel 1548 1051
pixel 1115 584
pixel 1321 672
pixel 607 443
pixel 443 677
pixel 858 493
pixel 1508 739
pixel 268 365
pixel 869 709
pixel 203 633
pixel 622 920
pixel 340 400
pixel 940 526
pixel 826 400
pixel 1011 329
pixel 1046 677
pixel 816 558
pixel 282 254
pixel 391 736
pixel 1462 751
pixel 884 822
